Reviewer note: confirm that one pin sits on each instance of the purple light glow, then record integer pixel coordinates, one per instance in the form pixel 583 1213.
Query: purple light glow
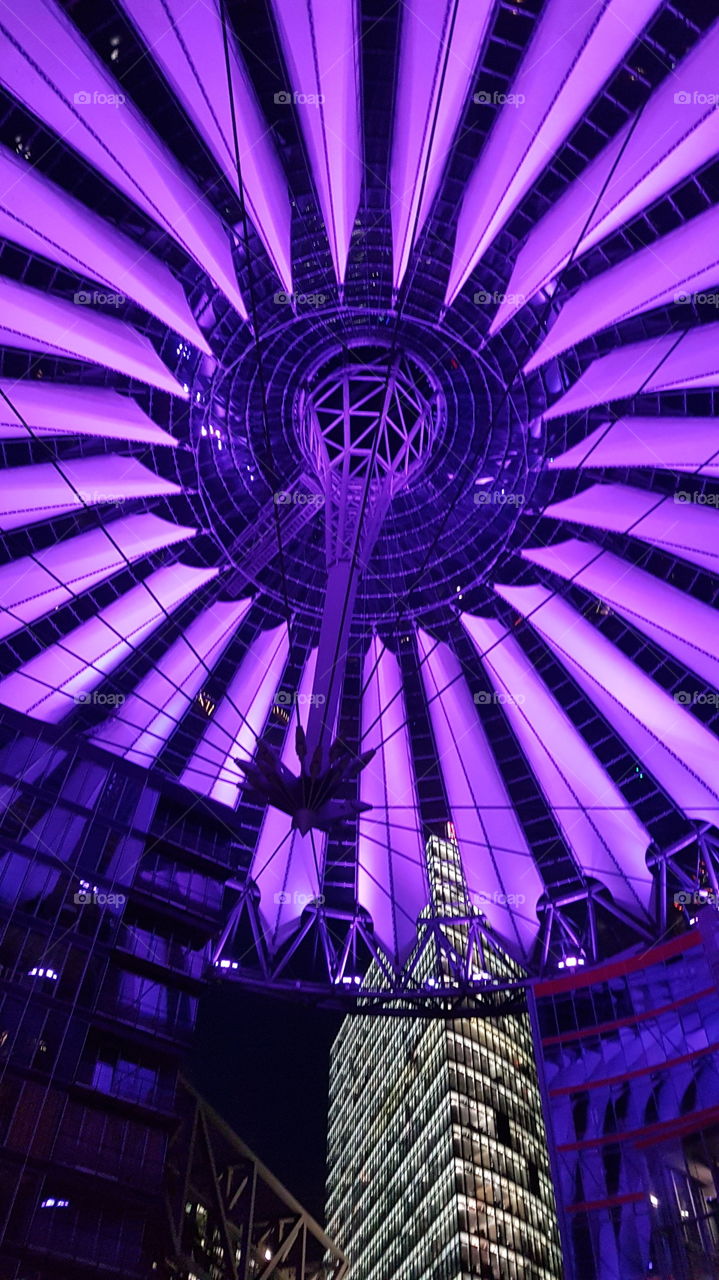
pixel 440 45
pixel 674 620
pixel 141 727
pixel 52 409
pixel 606 839
pixel 35 321
pixel 676 524
pixel 671 444
pixel 674 136
pixel 47 64
pixel 391 880
pixel 320 43
pixel 29 589
pixel 287 865
pixel 170 30
pixel 496 858
pixel 570 57
pixel 673 746
pixel 53 683
pixel 40 492
pixel 239 719
pixel 671 362
pixel 41 217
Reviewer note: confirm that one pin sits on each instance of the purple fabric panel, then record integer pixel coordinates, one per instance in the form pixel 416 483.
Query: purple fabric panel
pixel 440 42
pixel 29 587
pixel 40 491
pixel 570 56
pixel 497 861
pixel 687 529
pixel 285 864
pixel 144 722
pixel 320 43
pixel 187 43
pixel 676 135
pixel 239 719
pixel 35 321
pixel 42 217
pixel 669 270
pixel 53 408
pixel 672 745
pixel 673 619
pixel 676 444
pixel 659 364
pixel 391 880
pixel 51 684
pixel 606 838
pixel 45 62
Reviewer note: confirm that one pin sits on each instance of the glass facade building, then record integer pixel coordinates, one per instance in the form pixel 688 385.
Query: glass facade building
pixel 437 1153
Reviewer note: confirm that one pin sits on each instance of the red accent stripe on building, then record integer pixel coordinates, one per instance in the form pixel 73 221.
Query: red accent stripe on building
pixel 586 1206
pixel 631 1075
pixel 629 1020
pixel 649 1134
pixel 618 968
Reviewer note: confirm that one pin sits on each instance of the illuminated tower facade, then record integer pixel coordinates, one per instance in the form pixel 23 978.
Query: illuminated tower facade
pixel 438 1164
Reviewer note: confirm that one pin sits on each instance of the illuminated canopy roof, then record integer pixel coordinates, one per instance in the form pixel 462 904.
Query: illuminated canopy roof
pixel 359 381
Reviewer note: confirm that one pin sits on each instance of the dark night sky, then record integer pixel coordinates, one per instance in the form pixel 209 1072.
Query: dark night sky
pixel 264 1065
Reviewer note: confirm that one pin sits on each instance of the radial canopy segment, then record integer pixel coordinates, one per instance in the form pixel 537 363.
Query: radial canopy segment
pixel 669 444
pixel 606 839
pixel 570 57
pixel 675 135
pixel 144 722
pixel 392 882
pixel 320 43
pixel 501 877
pixel 42 491
pixel 187 42
pixel 673 746
pixel 55 409
pixel 440 43
pixel 46 63
pixel 676 621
